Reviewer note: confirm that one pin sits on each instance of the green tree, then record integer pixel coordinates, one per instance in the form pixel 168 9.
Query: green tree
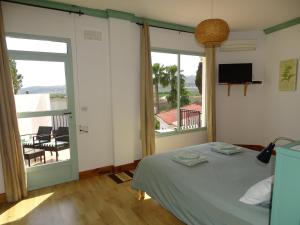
pixel 198 80
pixel 16 77
pixel 156 124
pixel 160 77
pixel 172 96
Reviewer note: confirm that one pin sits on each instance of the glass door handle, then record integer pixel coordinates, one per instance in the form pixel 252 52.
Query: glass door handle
pixel 67 113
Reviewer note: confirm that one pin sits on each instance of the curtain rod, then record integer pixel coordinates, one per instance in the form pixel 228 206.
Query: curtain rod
pixel 79 12
pixel 190 32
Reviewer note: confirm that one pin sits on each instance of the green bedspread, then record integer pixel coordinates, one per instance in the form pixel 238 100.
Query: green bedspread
pixel 208 193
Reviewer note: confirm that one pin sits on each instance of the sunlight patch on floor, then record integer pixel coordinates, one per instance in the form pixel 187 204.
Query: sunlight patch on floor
pixel 147 196
pixel 22 208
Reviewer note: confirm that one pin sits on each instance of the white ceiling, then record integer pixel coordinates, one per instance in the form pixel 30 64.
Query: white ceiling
pixel 240 14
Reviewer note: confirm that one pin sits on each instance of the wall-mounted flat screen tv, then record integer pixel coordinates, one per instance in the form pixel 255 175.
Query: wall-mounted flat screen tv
pixel 235 73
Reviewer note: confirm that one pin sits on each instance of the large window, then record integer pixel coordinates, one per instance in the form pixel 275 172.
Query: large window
pixel 178 87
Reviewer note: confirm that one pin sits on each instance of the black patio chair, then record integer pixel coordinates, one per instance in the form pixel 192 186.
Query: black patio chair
pixel 34 144
pixel 60 142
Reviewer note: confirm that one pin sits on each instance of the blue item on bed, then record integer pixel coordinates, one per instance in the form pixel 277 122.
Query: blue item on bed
pixel 207 194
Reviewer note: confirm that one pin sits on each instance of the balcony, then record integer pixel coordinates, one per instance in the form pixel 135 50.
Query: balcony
pixel 189 118
pixel 45 139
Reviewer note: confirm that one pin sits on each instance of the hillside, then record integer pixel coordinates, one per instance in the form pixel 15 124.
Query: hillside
pixel 43 89
pixel 189 83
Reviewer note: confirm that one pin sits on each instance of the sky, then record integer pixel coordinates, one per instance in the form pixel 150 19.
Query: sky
pixel 35 45
pixel 188 63
pixel 39 73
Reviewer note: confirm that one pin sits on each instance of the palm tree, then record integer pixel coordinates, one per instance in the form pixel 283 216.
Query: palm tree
pixel 159 77
pixel 172 97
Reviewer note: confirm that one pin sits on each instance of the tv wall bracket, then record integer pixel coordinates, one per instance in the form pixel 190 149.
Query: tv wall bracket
pixel 245 86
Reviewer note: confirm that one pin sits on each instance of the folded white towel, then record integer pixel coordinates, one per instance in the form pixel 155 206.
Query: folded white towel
pixel 188 155
pixel 189 158
pixel 227 151
pixel 225 148
pixel 222 145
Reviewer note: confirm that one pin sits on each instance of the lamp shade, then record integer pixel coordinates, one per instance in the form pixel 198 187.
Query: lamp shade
pixel 212 32
pixel 266 153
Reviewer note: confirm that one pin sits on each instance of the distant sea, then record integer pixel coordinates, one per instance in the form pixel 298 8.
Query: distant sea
pixel 43 89
pixel 189 83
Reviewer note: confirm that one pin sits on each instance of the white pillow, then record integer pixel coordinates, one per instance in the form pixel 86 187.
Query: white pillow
pixel 259 192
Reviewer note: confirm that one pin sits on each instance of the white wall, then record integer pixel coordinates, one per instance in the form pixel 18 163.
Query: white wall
pixel 240 118
pixel 32 102
pixel 169 39
pixel 282 108
pixel 265 113
pixel 124 66
pixel 93 93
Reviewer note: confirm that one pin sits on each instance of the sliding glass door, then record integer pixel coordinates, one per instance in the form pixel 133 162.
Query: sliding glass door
pixel 41 71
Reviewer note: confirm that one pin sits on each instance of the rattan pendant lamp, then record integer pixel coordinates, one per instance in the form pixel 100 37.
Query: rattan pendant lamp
pixel 212 32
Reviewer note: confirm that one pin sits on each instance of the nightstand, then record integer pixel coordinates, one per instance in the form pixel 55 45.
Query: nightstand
pixel 286 191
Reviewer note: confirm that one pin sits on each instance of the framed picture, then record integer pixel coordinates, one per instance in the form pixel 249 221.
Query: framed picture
pixel 288 75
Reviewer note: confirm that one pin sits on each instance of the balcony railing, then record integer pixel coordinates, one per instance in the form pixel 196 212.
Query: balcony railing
pixel 189 119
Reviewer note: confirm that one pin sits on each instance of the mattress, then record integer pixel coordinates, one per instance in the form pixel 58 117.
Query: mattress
pixel 208 193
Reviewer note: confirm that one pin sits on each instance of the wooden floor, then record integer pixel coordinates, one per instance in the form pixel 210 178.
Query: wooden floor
pixel 95 200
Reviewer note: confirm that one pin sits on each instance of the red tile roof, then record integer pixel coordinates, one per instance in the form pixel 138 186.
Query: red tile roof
pixel 194 107
pixel 170 117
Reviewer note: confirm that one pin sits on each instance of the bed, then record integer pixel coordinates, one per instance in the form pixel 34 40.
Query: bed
pixel 208 193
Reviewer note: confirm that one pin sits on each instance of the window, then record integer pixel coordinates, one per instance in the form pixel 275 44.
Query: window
pixel 42 86
pixel 33 45
pixel 177 88
pixel 38 74
pixel 39 70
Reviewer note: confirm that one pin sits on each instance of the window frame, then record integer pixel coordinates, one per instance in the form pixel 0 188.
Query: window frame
pixel 46 56
pixel 72 164
pixel 178 53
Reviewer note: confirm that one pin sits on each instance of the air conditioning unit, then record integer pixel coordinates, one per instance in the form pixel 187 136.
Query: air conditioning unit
pixel 238 45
